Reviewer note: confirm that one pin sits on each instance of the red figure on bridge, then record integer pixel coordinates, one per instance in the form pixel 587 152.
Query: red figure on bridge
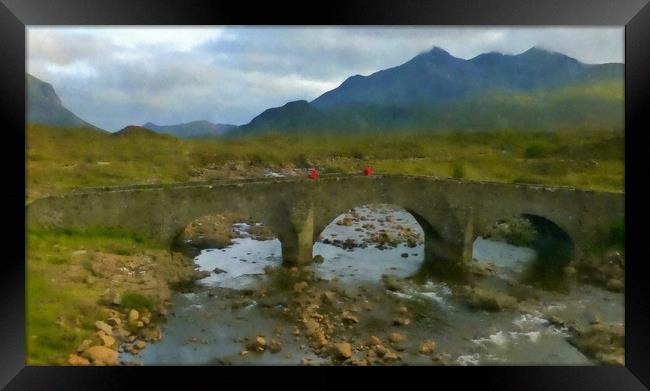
pixel 367 171
pixel 313 174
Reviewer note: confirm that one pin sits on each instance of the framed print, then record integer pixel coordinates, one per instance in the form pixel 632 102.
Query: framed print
pixel 452 187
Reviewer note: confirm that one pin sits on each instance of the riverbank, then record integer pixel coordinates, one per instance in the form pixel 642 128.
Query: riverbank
pixel 91 292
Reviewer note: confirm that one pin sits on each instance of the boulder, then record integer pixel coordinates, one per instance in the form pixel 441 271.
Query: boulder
pixel 401 321
pixel 101 355
pixel 318 259
pixel 257 345
pixel 427 347
pixel 329 297
pixel 346 221
pixel 114 321
pixel 134 315
pixel 104 327
pixel 380 350
pixel 373 341
pixel 275 346
pixel 151 333
pixel 74 359
pixel 390 357
pixel 349 317
pixel 396 337
pixel 484 299
pixel 342 350
pixel 107 340
pixel 85 344
pixel 615 285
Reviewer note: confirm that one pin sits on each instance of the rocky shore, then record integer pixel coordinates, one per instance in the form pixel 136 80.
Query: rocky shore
pixel 136 292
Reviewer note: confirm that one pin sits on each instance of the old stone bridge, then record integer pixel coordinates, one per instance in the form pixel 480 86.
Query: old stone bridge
pixel 452 213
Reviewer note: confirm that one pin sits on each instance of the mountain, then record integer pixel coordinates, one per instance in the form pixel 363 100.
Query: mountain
pixel 192 129
pixel 44 106
pixel 435 90
pixel 292 116
pixel 437 76
pixel 138 131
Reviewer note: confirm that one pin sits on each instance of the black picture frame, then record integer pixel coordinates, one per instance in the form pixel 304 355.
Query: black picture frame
pixel 633 14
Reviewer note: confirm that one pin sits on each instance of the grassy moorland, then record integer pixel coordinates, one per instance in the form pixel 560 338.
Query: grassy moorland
pixel 61 159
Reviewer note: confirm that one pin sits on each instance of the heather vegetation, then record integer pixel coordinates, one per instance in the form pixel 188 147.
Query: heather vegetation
pixel 61 159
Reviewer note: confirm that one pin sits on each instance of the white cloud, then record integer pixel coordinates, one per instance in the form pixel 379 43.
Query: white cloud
pixel 179 38
pixel 114 76
pixel 78 69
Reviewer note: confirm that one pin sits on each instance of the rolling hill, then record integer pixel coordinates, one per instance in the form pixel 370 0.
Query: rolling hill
pixel 133 131
pixel 194 129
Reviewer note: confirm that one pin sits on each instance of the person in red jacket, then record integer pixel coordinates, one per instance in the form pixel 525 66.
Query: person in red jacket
pixel 367 171
pixel 313 174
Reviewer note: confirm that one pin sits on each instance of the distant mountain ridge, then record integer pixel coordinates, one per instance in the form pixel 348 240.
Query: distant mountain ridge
pixel 533 90
pixel 192 129
pixel 437 76
pixel 427 91
pixel 291 116
pixel 45 107
pixel 134 131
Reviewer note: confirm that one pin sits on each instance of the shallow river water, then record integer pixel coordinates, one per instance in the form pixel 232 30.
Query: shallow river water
pixel 202 330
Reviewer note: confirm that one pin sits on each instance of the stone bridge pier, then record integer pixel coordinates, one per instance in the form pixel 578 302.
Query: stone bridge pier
pixel 298 238
pixel 452 213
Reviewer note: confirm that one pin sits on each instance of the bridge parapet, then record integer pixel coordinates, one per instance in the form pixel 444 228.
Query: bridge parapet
pixel 452 212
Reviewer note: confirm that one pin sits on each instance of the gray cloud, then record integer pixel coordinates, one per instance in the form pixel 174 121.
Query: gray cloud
pixel 118 76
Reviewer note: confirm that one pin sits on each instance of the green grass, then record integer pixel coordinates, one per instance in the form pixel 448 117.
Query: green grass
pixel 59 316
pixel 62 307
pixel 458 171
pixel 138 301
pixel 59 160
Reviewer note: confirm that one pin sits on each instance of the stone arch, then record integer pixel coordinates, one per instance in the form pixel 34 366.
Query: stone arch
pixel 555 250
pixel 181 219
pixel 329 218
pixel 445 237
pixel 551 234
pixel 553 246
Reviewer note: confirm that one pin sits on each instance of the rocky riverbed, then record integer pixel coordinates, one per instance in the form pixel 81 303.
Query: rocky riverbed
pixel 359 305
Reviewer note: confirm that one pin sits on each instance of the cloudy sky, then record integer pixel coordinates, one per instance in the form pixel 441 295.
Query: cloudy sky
pixel 117 76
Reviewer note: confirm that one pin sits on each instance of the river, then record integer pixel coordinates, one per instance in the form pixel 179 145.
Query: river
pixel 210 323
